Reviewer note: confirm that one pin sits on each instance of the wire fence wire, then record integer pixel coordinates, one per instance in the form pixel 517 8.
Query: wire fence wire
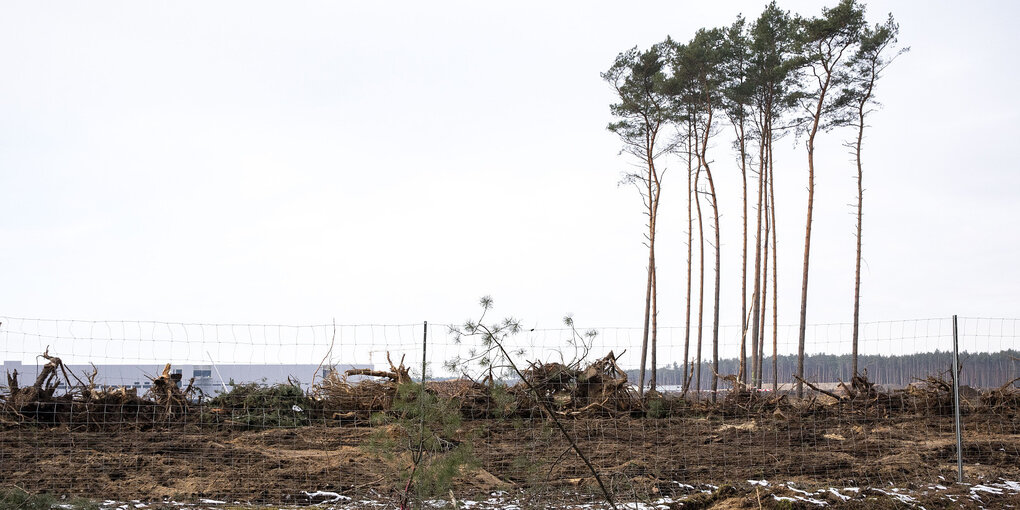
pixel 162 411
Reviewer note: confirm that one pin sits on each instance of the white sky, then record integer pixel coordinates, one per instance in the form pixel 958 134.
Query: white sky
pixel 391 162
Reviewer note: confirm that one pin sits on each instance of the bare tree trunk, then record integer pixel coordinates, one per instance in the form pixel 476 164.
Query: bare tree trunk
pixel 775 274
pixel 758 362
pixel 807 230
pixel 655 329
pixel 743 256
pixel 701 277
pixel 756 299
pixel 703 161
pixel 804 279
pixel 644 339
pixel 655 309
pixel 648 286
pixel 690 261
pixel 860 223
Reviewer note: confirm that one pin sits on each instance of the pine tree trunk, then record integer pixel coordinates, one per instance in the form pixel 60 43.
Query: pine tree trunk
pixel 655 327
pixel 701 277
pixel 764 291
pixel 756 299
pixel 860 217
pixel 703 158
pixel 655 309
pixel 648 286
pixel 816 121
pixel 743 255
pixel 775 275
pixel 857 269
pixel 690 263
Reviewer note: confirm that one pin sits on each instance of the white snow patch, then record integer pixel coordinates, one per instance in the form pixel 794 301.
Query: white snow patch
pixel 326 494
pixel 985 488
pixel 903 498
pixel 838 495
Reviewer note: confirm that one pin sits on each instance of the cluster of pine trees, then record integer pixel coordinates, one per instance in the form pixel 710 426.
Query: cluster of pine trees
pixel 779 74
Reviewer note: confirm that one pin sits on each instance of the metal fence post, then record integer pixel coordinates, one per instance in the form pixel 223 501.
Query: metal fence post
pixel 956 403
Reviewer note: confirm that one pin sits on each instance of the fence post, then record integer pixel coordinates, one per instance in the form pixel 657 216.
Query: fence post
pixel 956 403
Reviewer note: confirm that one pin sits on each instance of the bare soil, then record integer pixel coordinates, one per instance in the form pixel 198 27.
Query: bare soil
pixel 639 458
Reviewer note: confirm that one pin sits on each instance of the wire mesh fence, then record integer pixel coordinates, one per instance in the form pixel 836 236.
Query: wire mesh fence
pixel 292 414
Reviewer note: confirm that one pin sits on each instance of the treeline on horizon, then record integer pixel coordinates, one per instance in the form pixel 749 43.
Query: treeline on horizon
pixel 979 370
pixel 749 83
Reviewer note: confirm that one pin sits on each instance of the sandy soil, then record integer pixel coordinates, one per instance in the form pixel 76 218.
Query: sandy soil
pixel 640 459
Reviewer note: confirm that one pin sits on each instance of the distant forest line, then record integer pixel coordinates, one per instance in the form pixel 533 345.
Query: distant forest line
pixel 980 370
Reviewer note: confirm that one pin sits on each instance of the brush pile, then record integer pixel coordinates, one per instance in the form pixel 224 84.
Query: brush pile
pixel 600 389
pixel 53 399
pixel 743 400
pixel 341 400
pixel 58 397
pixel 1004 400
pixel 933 395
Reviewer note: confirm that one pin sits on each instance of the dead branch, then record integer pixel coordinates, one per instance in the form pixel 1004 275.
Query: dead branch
pixel 1007 385
pixel 816 388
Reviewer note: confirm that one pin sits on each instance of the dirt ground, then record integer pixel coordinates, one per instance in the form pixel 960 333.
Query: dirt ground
pixel 640 459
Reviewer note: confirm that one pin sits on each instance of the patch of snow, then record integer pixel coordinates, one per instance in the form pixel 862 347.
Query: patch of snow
pixel 838 495
pixel 326 494
pixel 903 498
pixel 813 501
pixel 985 488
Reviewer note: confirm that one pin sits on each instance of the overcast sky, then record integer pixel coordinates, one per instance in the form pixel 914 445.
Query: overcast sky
pixel 391 162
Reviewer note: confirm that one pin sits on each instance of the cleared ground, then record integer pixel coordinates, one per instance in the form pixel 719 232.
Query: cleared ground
pixel 665 460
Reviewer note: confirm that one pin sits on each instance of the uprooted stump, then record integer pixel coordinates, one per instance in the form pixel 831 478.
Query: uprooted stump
pixel 37 401
pixel 46 383
pixel 166 392
pixel 53 399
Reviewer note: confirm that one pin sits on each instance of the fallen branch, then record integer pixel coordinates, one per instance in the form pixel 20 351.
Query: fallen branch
pixel 816 388
pixel 1007 385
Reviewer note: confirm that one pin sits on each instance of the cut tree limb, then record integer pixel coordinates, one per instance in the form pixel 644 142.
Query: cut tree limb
pixel 816 388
